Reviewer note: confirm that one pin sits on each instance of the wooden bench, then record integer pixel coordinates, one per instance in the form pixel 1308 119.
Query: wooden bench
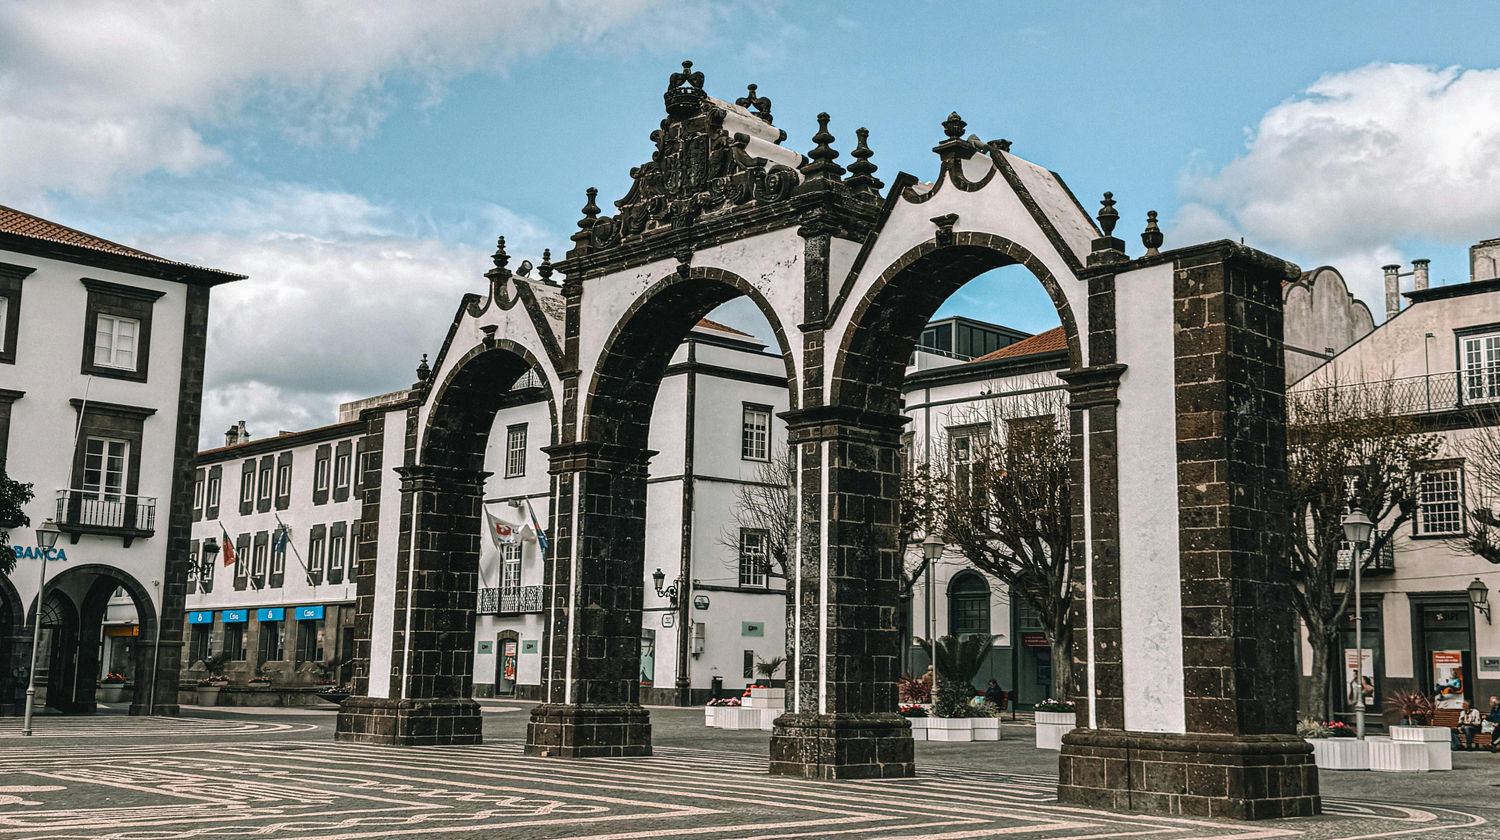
pixel 1448 719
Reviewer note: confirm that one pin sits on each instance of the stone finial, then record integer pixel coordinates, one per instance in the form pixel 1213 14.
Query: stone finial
pixel 954 126
pixel 500 258
pixel 823 154
pixel 1151 237
pixel 423 371
pixel 761 104
pixel 545 270
pixel 1108 215
pixel 685 96
pixel 590 210
pixel 862 171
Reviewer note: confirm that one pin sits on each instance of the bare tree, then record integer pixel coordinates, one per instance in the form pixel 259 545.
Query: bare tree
pixel 1347 447
pixel 1005 502
pixel 1479 445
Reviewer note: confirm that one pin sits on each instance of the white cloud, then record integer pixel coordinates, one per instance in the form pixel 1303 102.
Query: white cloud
pixel 1362 163
pixel 342 311
pixel 95 92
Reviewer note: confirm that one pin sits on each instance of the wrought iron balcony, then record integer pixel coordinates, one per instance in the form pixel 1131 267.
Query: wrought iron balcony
pixel 1407 395
pixel 515 601
pixel 1384 563
pixel 82 512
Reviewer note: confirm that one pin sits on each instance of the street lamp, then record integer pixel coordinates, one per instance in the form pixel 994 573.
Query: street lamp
pixel 46 537
pixel 205 566
pixel 932 549
pixel 1357 531
pixel 1479 598
pixel 658 578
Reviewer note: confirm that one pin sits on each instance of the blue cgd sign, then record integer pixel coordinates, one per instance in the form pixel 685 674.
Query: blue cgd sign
pixel 308 613
pixel 201 617
pixel 233 616
pixel 270 614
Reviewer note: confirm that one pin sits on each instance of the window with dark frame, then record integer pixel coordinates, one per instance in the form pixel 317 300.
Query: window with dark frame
pixel 117 330
pixel 1480 357
pixel 234 642
pixel 11 277
pixel 270 641
pixel 968 605
pixel 198 647
pixel 515 451
pixel 283 479
pixel 315 548
pixel 1440 496
pixel 308 649
pixel 755 434
pixel 755 562
pixel 213 491
pixel 341 470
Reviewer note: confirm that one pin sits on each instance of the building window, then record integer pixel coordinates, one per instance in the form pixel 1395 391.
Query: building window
pixel 234 642
pixel 10 308
pixel 213 491
pixel 115 342
pixel 755 433
pixel 966 447
pixel 265 484
pixel 1440 503
pixel 336 553
pixel 247 488
pixel 968 605
pixel 315 549
pixel 515 451
pixel 1481 360
pixel 341 470
pixel 270 641
pixel 117 330
pixel 308 649
pixel 510 567
pixel 258 559
pixel 198 647
pixel 206 563
pixel 320 476
pixel 283 479
pixel 197 494
pixel 279 541
pixel 104 465
pixel 754 557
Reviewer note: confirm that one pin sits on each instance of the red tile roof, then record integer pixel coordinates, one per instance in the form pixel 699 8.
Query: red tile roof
pixel 1048 342
pixel 715 325
pixel 14 221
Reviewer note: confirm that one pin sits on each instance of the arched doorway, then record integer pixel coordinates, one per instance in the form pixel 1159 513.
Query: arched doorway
pixel 14 648
pixel 73 622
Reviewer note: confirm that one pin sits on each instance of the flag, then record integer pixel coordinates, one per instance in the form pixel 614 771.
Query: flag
pixel 501 533
pixel 228 546
pixel 283 536
pixel 541 536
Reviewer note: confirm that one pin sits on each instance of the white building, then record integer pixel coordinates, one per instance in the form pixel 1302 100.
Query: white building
pixel 1439 358
pixel 101 374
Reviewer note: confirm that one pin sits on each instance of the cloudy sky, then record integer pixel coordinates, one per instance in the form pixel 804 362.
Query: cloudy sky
pixel 357 160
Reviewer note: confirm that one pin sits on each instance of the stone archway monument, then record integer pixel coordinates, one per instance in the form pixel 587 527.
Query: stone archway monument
pixel 1184 658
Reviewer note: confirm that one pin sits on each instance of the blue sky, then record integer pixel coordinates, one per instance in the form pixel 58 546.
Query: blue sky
pixel 358 160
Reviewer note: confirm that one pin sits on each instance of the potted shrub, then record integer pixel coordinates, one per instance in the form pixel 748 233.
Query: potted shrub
pixel 261 681
pixel 111 688
pixel 916 715
pixel 957 660
pixel 1334 745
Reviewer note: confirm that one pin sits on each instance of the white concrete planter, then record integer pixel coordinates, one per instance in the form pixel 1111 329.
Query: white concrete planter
pixel 1051 727
pixel 737 717
pixel 708 715
pixel 1340 753
pixel 918 728
pixel 949 729
pixel 1437 740
pixel 768 718
pixel 1392 756
pixel 111 693
pixel 208 695
pixel 985 728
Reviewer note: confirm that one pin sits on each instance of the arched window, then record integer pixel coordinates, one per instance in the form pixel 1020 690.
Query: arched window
pixel 968 604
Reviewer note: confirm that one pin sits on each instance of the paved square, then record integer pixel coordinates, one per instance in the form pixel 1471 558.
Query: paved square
pixel 265 774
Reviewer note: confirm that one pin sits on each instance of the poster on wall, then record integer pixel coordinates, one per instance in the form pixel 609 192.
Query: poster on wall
pixel 1359 676
pixel 1448 678
pixel 648 657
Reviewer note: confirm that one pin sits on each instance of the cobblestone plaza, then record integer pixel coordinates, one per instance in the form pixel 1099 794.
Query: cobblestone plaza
pixel 274 773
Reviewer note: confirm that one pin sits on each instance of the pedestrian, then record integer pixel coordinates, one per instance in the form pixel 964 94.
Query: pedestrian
pixel 1468 725
pixel 994 694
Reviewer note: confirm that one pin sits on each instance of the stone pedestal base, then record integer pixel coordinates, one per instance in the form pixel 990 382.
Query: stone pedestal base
pixel 376 720
pixel 877 746
pixel 162 709
pixel 578 731
pixel 1247 777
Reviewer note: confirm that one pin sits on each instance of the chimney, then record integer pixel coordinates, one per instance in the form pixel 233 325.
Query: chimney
pixel 1419 274
pixel 236 434
pixel 1392 290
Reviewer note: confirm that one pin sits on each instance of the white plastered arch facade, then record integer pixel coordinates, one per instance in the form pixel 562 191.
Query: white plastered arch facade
pixel 1176 416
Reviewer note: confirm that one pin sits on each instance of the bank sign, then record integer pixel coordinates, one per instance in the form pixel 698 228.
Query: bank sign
pixel 34 552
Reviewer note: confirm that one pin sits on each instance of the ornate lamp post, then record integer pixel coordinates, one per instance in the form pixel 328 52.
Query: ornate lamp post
pixel 1357 530
pixel 679 605
pixel 46 538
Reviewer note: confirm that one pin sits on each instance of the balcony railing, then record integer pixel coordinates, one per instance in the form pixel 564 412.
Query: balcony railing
pixel 1383 563
pixel 521 599
pixel 1407 395
pixel 90 512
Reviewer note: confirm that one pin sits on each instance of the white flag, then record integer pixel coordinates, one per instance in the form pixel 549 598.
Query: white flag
pixel 501 533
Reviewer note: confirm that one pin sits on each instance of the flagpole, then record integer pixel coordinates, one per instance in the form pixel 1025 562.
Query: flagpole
pixel 295 553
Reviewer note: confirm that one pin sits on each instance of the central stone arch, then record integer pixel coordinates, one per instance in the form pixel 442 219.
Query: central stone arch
pixel 1183 656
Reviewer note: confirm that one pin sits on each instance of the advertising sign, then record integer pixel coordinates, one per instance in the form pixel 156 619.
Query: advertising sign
pixel 270 613
pixel 1448 678
pixel 1359 671
pixel 201 617
pixel 233 616
pixel 508 661
pixel 309 613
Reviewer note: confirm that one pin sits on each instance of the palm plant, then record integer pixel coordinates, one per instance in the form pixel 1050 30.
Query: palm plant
pixel 957 660
pixel 767 667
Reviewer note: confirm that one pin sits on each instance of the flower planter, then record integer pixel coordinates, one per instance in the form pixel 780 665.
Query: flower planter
pixel 1392 756
pixel 918 728
pixel 208 695
pixel 1340 753
pixel 985 728
pixel 708 715
pixel 1051 727
pixel 1437 740
pixel 949 729
pixel 110 693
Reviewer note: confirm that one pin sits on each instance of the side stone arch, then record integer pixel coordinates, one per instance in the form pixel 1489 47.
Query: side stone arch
pixel 88 587
pixel 14 648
